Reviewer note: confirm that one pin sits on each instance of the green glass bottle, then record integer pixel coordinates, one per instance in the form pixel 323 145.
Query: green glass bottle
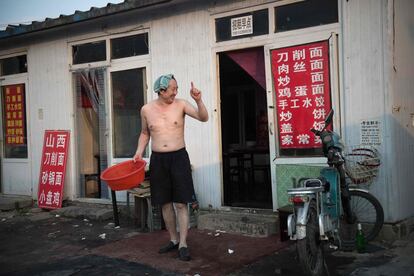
pixel 360 240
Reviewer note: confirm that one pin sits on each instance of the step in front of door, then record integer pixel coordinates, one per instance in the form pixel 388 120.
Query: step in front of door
pixel 249 225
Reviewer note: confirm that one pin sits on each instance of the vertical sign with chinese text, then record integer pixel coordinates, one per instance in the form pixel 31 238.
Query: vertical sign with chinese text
pixel 14 114
pixel 302 86
pixel 53 168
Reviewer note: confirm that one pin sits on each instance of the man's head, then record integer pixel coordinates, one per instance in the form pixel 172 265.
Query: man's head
pixel 162 82
pixel 166 87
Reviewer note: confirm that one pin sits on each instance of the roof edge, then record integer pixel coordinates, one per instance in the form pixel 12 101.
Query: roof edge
pixel 77 17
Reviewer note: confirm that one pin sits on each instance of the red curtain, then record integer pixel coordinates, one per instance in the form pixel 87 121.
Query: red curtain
pixel 252 61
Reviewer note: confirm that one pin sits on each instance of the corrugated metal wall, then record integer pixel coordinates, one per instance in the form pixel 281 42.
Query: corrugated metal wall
pixel 371 93
pixel 364 92
pixel 401 109
pixel 51 94
pixel 182 45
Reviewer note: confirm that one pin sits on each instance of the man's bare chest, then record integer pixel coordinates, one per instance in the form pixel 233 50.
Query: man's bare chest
pixel 165 121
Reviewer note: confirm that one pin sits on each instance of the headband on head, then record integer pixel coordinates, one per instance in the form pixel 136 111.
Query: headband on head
pixel 162 82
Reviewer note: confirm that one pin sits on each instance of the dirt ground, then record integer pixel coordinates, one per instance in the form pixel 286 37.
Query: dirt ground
pixel 35 242
pixel 40 243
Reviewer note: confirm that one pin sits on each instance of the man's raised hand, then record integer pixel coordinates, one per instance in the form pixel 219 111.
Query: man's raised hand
pixel 195 93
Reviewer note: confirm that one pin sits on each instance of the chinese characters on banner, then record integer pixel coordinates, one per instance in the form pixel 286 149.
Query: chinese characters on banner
pixel 302 87
pixel 14 114
pixel 52 169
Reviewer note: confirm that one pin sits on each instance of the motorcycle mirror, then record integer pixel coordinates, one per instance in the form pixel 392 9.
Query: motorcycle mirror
pixel 328 118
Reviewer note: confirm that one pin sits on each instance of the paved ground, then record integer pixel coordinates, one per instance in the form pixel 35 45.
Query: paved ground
pixel 41 243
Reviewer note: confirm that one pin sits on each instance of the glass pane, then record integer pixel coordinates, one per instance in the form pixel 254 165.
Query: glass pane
pixel 128 96
pixel 260 25
pixel 89 52
pixel 14 121
pixel 306 14
pixel 129 46
pixel 13 65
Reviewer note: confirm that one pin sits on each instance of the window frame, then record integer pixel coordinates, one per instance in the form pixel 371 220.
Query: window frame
pixel 125 36
pixel 108 62
pixel 242 13
pixel 132 64
pixel 21 78
pixel 274 23
pixel 143 71
pixel 88 42
pixel 334 63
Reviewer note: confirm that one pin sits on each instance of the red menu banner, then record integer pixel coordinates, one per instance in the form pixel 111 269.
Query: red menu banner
pixel 14 114
pixel 302 87
pixel 53 168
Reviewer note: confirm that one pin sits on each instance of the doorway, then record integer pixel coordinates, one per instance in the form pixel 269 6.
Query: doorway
pixel 104 139
pixel 92 132
pixel 244 125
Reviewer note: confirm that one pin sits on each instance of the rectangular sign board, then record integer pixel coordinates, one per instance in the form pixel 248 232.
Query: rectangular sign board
pixel 301 77
pixel 53 168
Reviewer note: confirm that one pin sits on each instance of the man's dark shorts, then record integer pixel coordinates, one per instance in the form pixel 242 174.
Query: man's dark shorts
pixel 170 177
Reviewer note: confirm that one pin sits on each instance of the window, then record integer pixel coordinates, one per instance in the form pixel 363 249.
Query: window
pixel 129 46
pixel 128 90
pixel 242 25
pixel 14 121
pixel 306 14
pixel 13 65
pixel 89 52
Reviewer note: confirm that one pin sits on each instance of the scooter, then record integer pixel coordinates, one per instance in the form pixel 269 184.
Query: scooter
pixel 326 209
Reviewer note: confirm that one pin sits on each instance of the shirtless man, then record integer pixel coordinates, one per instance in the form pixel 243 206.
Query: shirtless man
pixel 170 169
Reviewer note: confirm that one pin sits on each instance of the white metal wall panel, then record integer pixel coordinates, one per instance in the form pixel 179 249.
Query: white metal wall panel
pixel 401 112
pixel 181 44
pixel 378 81
pixel 364 92
pixel 51 101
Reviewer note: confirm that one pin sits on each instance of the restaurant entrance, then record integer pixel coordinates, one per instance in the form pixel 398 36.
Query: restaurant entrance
pixel 245 140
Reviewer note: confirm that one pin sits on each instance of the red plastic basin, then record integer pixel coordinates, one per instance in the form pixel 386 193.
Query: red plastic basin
pixel 125 175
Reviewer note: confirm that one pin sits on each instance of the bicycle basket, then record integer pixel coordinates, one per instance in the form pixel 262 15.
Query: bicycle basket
pixel 362 163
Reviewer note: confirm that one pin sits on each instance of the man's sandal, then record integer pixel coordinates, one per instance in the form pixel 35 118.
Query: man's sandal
pixel 184 254
pixel 167 248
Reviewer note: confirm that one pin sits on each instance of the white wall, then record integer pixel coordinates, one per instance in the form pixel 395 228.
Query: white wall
pixel 401 109
pixel 364 92
pixel 181 44
pixel 51 94
pixel 378 83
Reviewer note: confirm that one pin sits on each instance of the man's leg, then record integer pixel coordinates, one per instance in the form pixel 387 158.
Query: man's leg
pixel 183 220
pixel 169 219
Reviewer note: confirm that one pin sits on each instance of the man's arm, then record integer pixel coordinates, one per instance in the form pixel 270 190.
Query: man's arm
pixel 200 113
pixel 143 139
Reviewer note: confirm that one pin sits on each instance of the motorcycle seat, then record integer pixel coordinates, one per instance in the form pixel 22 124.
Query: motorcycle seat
pixel 316 182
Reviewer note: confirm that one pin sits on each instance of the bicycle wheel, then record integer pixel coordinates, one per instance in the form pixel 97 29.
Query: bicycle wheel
pixel 310 251
pixel 367 211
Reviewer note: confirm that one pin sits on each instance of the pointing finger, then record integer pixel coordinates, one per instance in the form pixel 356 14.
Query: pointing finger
pixel 192 85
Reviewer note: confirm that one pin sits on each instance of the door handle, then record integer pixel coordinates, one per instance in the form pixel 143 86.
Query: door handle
pixel 271 128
